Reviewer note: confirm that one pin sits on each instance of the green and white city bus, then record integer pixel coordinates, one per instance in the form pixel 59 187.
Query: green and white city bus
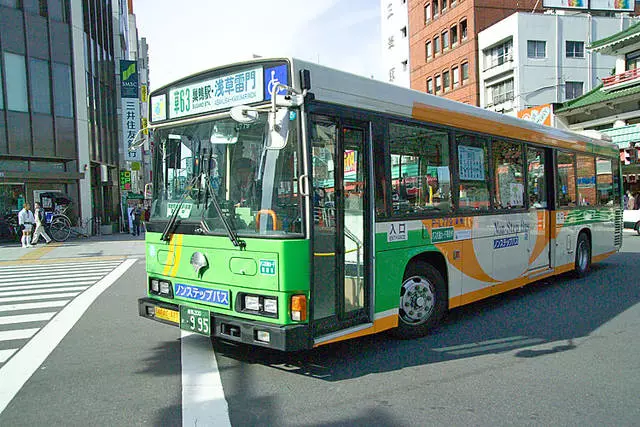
pixel 295 205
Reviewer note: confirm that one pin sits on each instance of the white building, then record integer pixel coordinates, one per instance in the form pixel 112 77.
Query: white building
pixel 532 59
pixel 394 30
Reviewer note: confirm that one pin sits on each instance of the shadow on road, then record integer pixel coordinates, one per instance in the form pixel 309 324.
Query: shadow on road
pixel 559 309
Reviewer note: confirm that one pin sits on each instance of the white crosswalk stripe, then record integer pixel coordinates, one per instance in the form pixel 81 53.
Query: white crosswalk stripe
pixel 32 295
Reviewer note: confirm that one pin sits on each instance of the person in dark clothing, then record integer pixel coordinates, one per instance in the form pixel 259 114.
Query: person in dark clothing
pixel 136 216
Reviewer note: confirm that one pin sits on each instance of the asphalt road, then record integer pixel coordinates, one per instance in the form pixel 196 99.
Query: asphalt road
pixel 559 352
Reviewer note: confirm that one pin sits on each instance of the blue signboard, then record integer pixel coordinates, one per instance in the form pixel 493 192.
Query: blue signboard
pixel 272 76
pixel 129 79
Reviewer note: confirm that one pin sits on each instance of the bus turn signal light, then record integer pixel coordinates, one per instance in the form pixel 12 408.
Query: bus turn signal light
pixel 299 308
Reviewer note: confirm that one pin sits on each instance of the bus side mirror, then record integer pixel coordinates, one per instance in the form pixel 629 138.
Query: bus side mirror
pixel 278 129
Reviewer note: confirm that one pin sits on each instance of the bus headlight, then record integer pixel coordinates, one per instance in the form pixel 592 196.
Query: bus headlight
pixel 271 305
pixel 161 287
pixel 257 304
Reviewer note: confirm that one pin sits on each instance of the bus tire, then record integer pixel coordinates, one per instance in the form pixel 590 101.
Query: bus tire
pixel 583 255
pixel 637 227
pixel 423 300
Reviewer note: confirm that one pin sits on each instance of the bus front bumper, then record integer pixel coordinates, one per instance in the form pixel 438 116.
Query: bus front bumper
pixel 285 338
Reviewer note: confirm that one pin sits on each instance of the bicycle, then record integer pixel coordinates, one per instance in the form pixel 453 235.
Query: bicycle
pixel 59 228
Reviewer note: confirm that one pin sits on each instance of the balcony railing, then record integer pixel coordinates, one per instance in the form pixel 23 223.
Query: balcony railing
pixel 625 77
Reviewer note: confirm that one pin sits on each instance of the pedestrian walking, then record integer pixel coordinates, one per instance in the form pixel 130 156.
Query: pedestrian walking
pixel 631 201
pixel 136 215
pixel 39 231
pixel 26 221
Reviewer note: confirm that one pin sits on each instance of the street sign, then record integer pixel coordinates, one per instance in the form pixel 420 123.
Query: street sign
pixel 125 180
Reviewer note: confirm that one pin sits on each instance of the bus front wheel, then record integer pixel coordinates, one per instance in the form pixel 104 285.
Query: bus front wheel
pixel 583 255
pixel 422 300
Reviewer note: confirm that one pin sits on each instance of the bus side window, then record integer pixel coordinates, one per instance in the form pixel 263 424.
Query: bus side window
pixel 536 179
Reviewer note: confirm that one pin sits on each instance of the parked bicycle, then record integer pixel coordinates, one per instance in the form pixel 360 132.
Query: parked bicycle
pixel 59 226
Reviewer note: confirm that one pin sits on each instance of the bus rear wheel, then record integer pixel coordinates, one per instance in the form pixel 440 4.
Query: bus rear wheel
pixel 583 255
pixel 423 300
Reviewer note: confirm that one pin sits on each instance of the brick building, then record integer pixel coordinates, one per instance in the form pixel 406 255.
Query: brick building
pixel 443 47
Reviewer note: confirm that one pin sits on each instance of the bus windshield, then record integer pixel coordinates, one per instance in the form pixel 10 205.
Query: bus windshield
pixel 255 187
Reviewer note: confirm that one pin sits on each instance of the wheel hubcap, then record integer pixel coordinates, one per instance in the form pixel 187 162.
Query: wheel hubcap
pixel 417 300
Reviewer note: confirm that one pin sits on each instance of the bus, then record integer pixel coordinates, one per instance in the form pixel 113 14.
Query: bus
pixel 296 205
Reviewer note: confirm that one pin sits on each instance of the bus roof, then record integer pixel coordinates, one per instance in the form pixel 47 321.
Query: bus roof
pixel 343 88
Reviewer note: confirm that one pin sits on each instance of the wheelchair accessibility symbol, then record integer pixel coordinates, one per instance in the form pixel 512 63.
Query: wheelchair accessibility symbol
pixel 274 76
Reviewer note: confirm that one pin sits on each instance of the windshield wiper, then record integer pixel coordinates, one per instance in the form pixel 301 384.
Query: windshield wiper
pixel 233 236
pixel 168 230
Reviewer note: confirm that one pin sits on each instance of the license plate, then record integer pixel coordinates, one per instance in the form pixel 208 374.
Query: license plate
pixel 166 314
pixel 195 320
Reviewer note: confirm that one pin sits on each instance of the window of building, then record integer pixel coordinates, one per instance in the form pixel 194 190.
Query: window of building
pixel 632 60
pixel 508 173
pixel 40 89
pixel 498 55
pixel 405 65
pixel 1 92
pixel 16 73
pixel 390 42
pixel 575 49
pixel 500 92
pixel 573 90
pixel 438 84
pixel 59 10
pixel 473 171
pixel 428 49
pixel 586 180
pixel 403 32
pixel 604 181
pixel 536 179
pixel 436 8
pixel 444 5
pixel 456 77
pixel 436 45
pixel 454 35
pixel 446 80
pixel 463 29
pixel 566 179
pixel 430 85
pixel 445 40
pixel 536 48
pixel 62 94
pixel 14 4
pixel 427 13
pixel 420 174
pixel 465 71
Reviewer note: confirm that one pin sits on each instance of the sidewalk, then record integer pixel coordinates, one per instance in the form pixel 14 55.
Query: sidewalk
pixel 113 246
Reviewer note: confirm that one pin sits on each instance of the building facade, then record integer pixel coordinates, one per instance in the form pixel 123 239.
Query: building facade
pixel 394 29
pixel 59 104
pixel 613 107
pixel 443 43
pixel 529 59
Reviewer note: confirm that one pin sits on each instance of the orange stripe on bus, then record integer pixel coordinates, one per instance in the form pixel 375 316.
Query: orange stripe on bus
pixel 543 238
pixel 379 325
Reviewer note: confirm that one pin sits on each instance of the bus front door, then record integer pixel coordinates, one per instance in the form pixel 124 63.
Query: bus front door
pixel 341 288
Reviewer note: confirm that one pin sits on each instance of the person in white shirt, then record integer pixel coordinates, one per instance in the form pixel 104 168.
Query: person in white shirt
pixel 39 216
pixel 26 220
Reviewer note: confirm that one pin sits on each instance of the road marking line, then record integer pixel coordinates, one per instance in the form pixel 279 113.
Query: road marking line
pixel 18 334
pixel 71 276
pixel 59 265
pixel 31 305
pixel 203 401
pixel 25 318
pixel 37 297
pixel 41 291
pixel 6 354
pixel 57 280
pixel 51 285
pixel 62 260
pixel 27 272
pixel 19 368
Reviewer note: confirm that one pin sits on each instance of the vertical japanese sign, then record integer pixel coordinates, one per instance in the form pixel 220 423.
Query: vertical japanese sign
pixel 130 107
pixel 125 180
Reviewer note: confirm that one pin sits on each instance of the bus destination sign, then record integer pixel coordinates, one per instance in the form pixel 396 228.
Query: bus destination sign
pixel 242 87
